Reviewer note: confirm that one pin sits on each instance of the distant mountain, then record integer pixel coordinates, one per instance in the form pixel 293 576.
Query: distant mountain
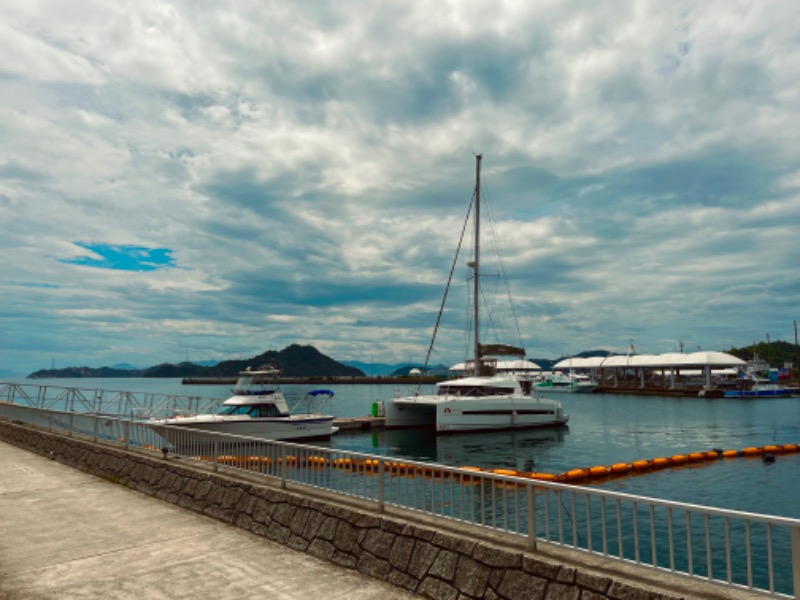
pixel 6 373
pixel 293 361
pixel 124 367
pixel 206 363
pixel 372 369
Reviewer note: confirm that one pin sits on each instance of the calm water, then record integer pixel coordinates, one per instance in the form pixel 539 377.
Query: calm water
pixel 603 429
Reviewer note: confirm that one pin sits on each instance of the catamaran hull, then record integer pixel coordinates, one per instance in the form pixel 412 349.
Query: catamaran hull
pixel 460 415
pixel 454 417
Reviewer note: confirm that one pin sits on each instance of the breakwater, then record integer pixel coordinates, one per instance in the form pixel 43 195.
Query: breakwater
pixel 405 549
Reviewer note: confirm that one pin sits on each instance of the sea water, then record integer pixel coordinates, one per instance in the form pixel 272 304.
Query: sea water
pixel 603 429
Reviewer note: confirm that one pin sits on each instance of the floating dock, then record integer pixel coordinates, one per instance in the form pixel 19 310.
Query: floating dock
pixel 359 423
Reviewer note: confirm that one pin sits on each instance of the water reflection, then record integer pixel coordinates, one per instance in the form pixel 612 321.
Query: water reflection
pixel 521 450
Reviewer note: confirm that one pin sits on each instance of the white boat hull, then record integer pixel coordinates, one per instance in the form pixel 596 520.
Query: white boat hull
pixel 450 414
pixel 294 428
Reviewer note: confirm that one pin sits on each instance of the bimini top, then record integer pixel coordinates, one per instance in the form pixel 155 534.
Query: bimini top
pixel 672 360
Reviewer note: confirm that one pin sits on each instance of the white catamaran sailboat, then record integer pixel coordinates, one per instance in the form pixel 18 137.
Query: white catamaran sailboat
pixel 485 399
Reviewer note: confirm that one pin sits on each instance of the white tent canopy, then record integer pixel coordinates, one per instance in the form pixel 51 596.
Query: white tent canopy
pixel 505 366
pixel 672 360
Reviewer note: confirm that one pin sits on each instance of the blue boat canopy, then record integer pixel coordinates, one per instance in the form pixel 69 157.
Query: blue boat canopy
pixel 320 392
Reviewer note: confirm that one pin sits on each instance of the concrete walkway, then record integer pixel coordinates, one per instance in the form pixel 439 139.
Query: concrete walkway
pixel 66 534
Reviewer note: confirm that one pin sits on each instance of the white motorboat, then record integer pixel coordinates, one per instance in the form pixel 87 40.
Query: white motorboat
pixel 258 409
pixel 484 399
pixel 565 383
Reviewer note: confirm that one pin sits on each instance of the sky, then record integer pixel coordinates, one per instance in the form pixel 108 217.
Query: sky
pixel 210 180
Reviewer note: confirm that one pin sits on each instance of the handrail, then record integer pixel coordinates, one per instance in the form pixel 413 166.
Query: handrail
pixel 729 548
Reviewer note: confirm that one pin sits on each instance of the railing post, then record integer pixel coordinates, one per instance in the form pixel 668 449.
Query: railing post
pixel 283 467
pixel 70 424
pixel 795 538
pixel 126 431
pixel 215 452
pixel 381 482
pixel 94 428
pixel 531 517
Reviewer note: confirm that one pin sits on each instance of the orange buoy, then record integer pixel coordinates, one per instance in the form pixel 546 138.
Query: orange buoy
pixel 543 476
pixel 730 453
pixel 576 474
pixel 773 449
pixel 599 471
pixel 752 451
pixel 790 447
pixel 679 458
pixel 507 472
pixel 695 456
pixel 642 464
pixel 712 454
pixel 620 467
pixel 661 462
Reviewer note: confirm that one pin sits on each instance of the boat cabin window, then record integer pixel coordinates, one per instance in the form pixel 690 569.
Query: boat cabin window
pixel 476 391
pixel 236 410
pixel 267 410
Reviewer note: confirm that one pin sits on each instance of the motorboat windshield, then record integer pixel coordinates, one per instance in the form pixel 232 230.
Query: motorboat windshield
pixel 255 412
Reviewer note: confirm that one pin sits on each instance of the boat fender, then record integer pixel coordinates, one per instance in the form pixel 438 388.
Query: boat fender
pixel 768 458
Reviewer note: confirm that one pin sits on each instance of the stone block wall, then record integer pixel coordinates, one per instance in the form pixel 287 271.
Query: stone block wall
pixel 428 561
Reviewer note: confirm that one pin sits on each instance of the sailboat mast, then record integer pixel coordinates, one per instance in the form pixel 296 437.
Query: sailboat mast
pixel 476 282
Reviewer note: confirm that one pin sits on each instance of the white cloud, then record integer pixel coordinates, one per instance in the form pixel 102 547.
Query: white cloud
pixel 310 166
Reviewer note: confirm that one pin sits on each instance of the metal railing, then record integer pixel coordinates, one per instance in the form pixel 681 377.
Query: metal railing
pixel 115 402
pixel 730 548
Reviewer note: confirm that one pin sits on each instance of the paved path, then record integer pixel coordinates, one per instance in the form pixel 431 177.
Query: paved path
pixel 65 534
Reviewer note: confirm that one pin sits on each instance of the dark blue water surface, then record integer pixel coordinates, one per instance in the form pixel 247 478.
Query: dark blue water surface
pixel 606 428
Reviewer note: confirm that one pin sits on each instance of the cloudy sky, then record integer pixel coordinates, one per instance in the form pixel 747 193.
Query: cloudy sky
pixel 208 180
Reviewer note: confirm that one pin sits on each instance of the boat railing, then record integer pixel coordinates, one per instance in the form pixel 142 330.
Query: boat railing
pixel 312 402
pixel 727 548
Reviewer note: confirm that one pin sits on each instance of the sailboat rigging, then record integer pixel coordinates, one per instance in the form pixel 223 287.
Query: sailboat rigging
pixel 485 399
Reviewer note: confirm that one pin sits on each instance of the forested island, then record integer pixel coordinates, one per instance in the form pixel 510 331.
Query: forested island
pixel 292 361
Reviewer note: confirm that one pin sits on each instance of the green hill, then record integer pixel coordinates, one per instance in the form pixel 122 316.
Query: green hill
pixel 776 353
pixel 293 361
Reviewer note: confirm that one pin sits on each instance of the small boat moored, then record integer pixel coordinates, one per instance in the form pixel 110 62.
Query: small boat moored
pixel 258 409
